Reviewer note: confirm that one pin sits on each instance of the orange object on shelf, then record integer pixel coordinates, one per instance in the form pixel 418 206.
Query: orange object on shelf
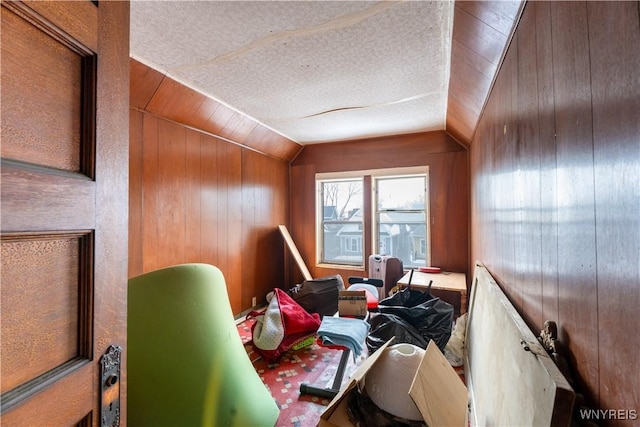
pixel 429 269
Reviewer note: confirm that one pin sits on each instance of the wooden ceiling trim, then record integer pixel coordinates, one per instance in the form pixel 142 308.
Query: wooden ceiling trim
pixel 144 82
pixel 160 95
pixel 497 14
pixel 472 59
pixel 175 101
pixel 478 36
pixel 204 113
pixel 242 132
pixel 406 147
pixel 481 33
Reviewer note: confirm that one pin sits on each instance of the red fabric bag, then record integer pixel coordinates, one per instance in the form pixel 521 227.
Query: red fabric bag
pixel 283 324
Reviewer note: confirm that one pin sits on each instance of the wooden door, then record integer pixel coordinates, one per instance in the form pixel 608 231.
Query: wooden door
pixel 64 209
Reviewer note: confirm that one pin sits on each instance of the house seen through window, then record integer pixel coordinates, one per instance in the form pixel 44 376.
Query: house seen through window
pixel 391 206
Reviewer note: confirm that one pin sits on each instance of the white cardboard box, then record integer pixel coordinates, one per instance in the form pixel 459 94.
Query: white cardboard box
pixel 437 391
pixel 352 303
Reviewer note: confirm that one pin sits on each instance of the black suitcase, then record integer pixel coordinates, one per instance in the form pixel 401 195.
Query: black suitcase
pixel 389 269
pixel 319 295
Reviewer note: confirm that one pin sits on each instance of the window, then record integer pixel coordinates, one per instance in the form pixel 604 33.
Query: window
pixel 401 218
pixel 341 225
pixel 389 205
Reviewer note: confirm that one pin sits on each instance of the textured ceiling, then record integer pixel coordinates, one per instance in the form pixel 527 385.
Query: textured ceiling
pixel 313 71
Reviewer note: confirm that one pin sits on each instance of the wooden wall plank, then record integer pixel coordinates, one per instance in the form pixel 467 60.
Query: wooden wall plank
pixel 528 235
pixel 171 193
pixel 144 84
pixel 614 35
pixel 193 235
pixel 576 212
pixel 136 184
pixel 151 228
pixel 547 172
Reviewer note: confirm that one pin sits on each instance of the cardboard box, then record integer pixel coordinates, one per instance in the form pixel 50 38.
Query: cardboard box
pixel 352 303
pixel 437 391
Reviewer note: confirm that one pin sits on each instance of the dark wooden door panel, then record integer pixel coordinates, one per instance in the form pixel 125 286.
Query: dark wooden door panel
pixel 58 169
pixel 42 304
pixel 34 198
pixel 46 94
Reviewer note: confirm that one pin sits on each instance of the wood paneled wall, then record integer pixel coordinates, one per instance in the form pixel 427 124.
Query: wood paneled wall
pixel 195 197
pixel 449 192
pixel 555 187
pixel 165 97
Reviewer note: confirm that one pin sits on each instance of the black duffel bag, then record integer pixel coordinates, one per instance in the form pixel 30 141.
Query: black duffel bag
pixel 413 317
pixel 319 295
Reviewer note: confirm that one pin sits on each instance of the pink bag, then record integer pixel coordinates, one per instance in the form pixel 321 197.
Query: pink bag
pixel 282 325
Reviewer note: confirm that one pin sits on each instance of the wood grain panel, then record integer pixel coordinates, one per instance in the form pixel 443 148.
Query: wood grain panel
pixel 575 240
pixel 528 234
pixel 496 14
pixel 136 219
pixel 150 188
pixel 144 84
pixel 170 193
pixel 481 31
pixel 196 190
pixel 449 189
pixel 576 213
pixel 478 36
pixel 65 287
pixel 263 259
pixel 235 226
pixel 209 199
pixel 614 35
pixel 548 185
pixel 36 193
pixel 175 101
pixel 41 97
pixel 80 19
pixel 74 393
pixel 193 216
pixel 49 338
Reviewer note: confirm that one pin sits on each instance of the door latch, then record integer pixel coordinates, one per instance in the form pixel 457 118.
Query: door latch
pixel 110 387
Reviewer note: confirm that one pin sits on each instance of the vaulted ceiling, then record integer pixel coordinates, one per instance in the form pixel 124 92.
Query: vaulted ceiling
pixel 325 71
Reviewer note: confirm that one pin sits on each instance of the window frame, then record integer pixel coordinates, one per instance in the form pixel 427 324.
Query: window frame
pixel 376 213
pixel 369 211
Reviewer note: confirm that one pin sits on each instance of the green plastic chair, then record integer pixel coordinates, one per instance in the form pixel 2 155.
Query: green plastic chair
pixel 186 363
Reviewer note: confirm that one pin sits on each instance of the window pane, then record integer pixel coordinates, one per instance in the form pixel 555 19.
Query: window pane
pixel 401 217
pixel 342 231
pixel 401 193
pixel 405 240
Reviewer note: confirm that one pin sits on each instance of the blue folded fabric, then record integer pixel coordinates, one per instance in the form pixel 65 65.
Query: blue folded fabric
pixel 344 331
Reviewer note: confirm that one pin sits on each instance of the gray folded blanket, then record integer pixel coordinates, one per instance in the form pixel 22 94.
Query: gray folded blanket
pixel 344 331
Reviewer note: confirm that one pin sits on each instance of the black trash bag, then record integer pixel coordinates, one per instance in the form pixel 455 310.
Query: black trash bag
pixel 407 297
pixel 363 412
pixel 385 326
pixel 432 317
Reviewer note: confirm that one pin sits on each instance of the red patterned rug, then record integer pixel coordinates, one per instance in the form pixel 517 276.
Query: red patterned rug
pixel 314 365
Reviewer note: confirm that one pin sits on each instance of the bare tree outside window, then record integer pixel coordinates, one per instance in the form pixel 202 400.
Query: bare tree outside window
pixel 342 234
